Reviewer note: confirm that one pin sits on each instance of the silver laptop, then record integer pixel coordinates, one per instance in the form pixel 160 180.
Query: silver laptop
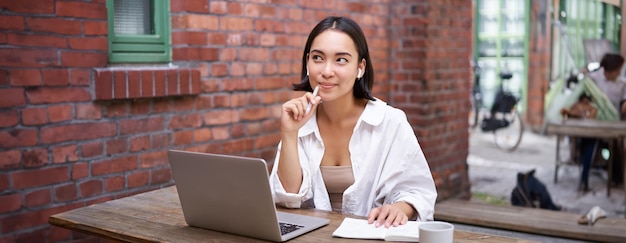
pixel 232 194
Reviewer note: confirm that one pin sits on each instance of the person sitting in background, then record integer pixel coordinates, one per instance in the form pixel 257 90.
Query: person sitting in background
pixel 583 109
pixel 608 78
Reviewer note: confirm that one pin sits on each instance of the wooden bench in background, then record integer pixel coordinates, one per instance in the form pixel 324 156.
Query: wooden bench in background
pixel 530 220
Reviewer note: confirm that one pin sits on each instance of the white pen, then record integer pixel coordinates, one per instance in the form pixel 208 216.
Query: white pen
pixel 308 107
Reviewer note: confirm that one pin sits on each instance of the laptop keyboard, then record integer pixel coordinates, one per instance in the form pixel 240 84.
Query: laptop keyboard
pixel 286 228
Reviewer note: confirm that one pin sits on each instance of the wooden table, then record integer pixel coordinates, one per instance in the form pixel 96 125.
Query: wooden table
pixel 561 224
pixel 156 216
pixel 613 131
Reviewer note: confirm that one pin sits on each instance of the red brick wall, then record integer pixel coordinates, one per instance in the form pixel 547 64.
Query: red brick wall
pixel 66 143
pixel 539 58
pixel 430 50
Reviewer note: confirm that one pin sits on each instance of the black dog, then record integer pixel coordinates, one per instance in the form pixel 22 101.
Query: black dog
pixel 529 191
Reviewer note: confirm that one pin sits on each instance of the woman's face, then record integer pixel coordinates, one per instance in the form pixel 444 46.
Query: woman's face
pixel 333 65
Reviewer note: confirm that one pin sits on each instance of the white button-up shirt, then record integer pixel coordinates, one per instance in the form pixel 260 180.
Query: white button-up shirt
pixel 614 90
pixel 387 161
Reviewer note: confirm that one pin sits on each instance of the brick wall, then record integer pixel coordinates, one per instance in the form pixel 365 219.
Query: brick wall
pixel 430 50
pixel 74 131
pixel 539 58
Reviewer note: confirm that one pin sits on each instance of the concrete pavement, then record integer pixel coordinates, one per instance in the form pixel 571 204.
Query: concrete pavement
pixel 493 171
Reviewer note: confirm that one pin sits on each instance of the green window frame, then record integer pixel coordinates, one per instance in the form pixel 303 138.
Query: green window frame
pixel 154 47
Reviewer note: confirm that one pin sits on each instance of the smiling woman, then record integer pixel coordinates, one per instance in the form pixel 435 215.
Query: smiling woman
pixel 352 153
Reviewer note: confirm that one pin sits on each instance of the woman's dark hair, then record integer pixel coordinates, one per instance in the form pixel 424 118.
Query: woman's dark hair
pixel 363 85
pixel 611 62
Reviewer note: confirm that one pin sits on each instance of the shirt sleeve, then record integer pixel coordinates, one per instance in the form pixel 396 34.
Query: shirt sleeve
pixel 623 80
pixel 416 188
pixel 596 75
pixel 280 195
pixel 406 176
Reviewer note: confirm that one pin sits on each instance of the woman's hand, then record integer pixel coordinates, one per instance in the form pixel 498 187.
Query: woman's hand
pixel 293 112
pixel 391 214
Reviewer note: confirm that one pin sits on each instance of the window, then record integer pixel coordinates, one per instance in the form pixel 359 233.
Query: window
pixel 139 31
pixel 501 44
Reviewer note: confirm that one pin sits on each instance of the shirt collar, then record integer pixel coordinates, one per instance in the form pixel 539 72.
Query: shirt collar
pixel 374 112
pixel 373 115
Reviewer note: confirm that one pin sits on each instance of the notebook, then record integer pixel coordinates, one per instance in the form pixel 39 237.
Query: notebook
pixel 232 194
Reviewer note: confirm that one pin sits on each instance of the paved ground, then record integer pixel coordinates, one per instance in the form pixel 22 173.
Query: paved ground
pixel 493 172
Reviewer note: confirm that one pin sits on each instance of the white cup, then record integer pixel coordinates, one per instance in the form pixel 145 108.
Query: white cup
pixel 436 232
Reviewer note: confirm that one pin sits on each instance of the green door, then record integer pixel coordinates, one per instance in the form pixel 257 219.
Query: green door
pixel 581 20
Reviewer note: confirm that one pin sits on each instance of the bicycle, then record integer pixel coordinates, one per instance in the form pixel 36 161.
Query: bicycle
pixel 502 119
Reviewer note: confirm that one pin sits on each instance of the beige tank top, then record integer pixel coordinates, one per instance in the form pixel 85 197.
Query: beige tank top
pixel 337 180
